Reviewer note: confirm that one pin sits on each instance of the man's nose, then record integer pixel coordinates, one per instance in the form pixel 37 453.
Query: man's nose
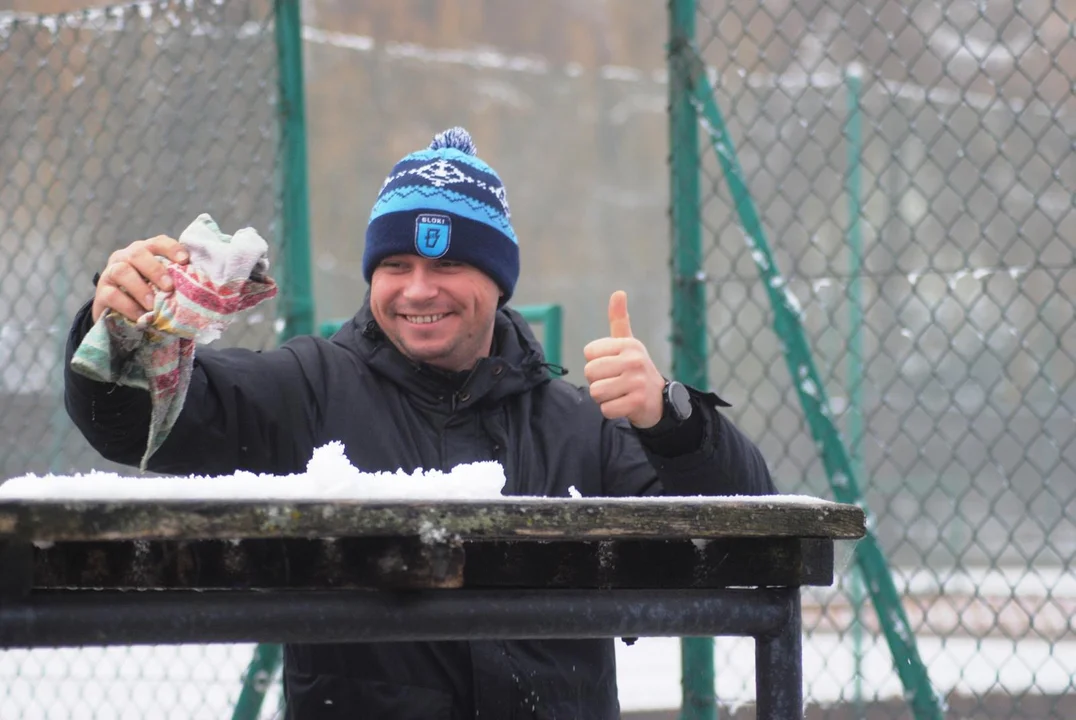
pixel 420 285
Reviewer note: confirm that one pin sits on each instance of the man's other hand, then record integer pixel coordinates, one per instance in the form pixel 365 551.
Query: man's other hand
pixel 623 379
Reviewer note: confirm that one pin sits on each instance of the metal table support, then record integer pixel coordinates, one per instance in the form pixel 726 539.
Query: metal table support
pixel 76 573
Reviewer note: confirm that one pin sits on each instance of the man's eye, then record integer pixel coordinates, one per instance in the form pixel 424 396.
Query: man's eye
pixel 449 264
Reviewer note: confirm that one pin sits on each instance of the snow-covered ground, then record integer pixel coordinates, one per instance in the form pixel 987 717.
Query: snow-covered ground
pixel 193 682
pixel 649 672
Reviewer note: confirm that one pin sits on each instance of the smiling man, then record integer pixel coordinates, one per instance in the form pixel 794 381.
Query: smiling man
pixel 441 255
pixel 433 371
pixel 438 312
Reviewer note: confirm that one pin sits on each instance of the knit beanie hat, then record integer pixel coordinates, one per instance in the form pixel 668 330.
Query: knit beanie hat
pixel 444 202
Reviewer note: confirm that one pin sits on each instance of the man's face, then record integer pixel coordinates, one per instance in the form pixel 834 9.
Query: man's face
pixel 439 312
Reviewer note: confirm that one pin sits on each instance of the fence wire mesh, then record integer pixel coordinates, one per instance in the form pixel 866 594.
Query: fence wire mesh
pixel 118 124
pixel 942 251
pixel 914 169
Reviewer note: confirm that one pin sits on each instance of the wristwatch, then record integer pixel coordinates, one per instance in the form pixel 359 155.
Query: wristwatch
pixel 676 401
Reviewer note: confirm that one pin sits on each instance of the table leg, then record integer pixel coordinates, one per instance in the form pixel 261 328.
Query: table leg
pixel 16 570
pixel 779 666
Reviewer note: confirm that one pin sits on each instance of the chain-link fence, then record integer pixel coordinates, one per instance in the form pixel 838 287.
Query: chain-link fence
pixel 117 124
pixel 914 170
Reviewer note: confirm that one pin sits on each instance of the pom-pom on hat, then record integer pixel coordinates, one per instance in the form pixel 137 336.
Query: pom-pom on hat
pixel 444 202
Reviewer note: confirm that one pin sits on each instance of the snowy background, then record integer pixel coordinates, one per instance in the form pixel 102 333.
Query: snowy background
pixel 115 127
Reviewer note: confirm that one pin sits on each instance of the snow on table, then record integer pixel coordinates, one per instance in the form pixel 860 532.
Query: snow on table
pixel 329 476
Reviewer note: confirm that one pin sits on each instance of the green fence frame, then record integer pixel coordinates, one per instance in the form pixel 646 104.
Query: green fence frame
pixel 296 301
pixel 689 338
pixel 549 316
pixel 692 102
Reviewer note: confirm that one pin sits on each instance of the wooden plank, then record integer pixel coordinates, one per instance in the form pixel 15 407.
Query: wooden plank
pixel 394 563
pixel 510 518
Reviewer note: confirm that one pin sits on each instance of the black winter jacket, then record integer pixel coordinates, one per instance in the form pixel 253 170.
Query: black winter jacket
pixel 268 411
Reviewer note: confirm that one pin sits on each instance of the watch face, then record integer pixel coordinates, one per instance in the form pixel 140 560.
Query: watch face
pixel 680 400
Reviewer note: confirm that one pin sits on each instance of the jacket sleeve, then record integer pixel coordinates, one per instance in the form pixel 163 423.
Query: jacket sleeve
pixel 725 462
pixel 244 410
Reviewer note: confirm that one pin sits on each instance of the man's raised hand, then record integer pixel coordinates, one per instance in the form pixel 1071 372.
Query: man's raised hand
pixel 623 379
pixel 134 274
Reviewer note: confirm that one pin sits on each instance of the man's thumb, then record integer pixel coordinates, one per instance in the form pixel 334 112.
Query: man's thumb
pixel 619 325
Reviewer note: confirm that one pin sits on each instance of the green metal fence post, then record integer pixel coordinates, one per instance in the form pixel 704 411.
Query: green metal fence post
pixel 58 422
pixel 812 396
pixel 689 292
pixel 688 299
pixel 551 318
pixel 553 335
pixel 256 681
pixel 296 303
pixel 854 141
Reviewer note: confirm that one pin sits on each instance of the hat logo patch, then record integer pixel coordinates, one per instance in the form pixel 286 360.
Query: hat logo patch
pixel 433 233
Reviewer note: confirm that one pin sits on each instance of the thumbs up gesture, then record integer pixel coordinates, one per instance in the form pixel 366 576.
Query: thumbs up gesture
pixel 623 379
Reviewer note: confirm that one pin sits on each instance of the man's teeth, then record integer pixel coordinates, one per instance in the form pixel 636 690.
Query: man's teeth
pixel 425 319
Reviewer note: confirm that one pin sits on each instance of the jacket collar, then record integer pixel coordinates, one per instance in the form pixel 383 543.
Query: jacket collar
pixel 517 365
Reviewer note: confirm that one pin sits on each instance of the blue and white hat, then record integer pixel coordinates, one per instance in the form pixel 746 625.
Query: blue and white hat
pixel 445 202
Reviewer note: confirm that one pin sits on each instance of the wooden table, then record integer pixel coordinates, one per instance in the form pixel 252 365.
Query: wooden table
pixel 138 572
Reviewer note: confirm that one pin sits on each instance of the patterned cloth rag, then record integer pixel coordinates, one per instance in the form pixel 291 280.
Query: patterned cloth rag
pixel 226 275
